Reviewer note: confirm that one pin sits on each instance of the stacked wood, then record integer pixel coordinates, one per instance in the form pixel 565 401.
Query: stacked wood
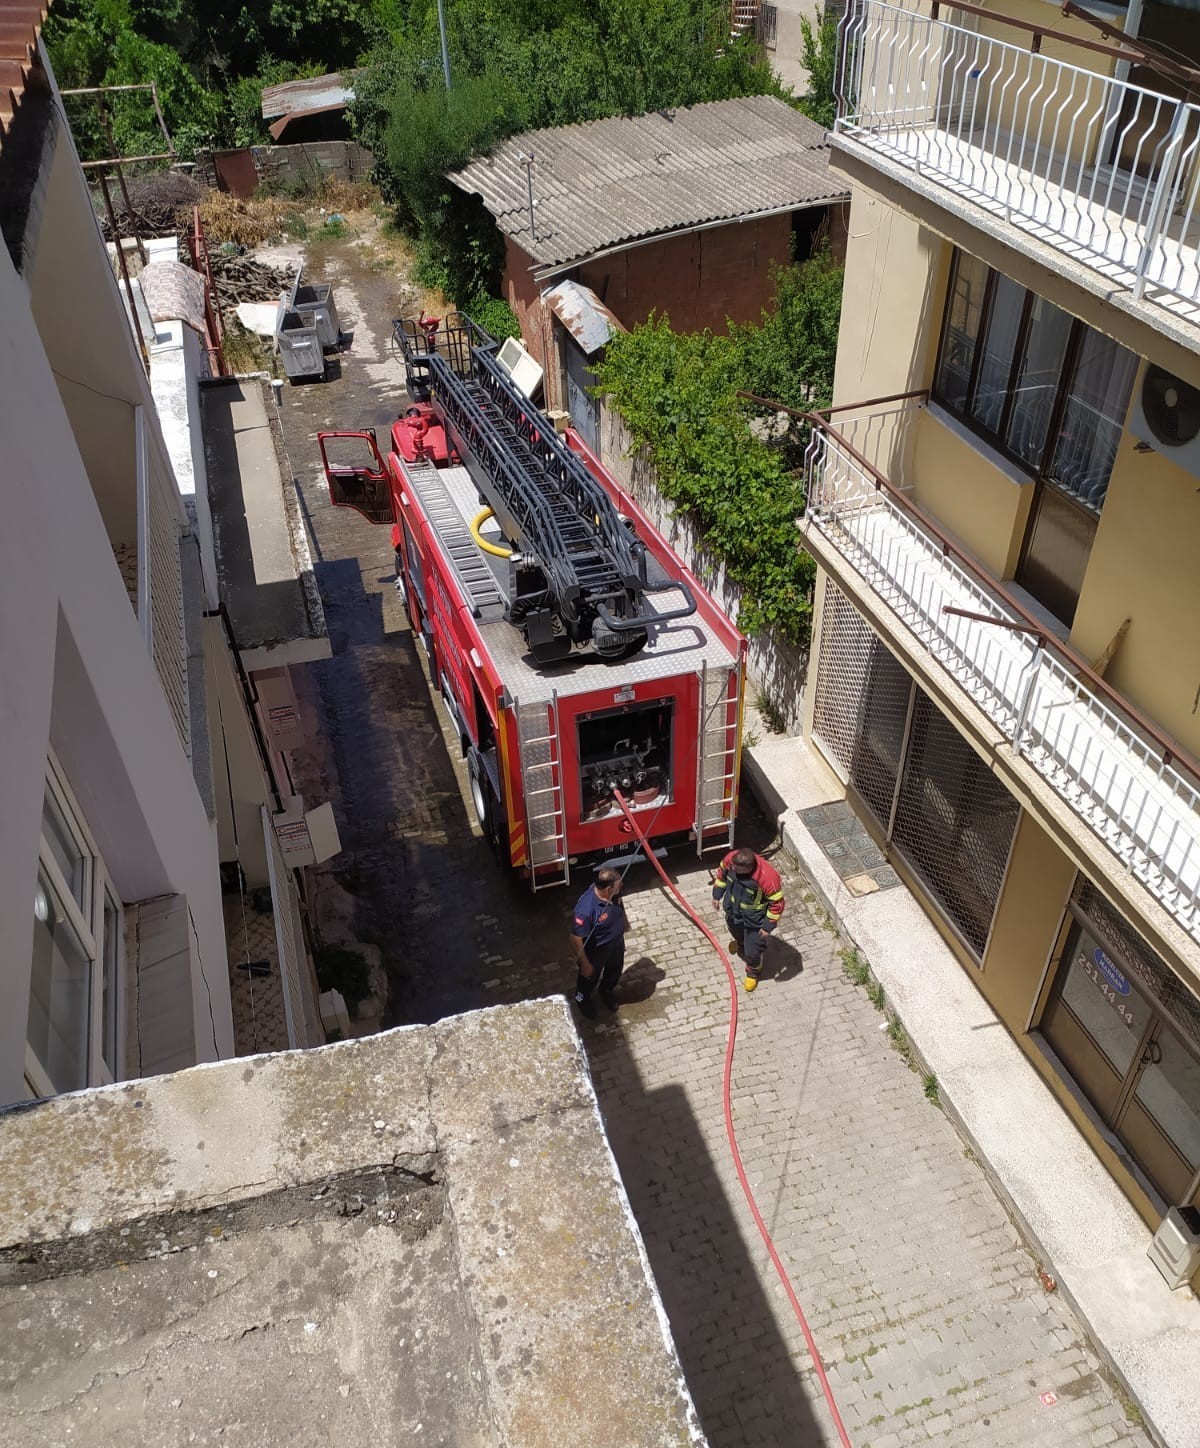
pixel 159 204
pixel 242 279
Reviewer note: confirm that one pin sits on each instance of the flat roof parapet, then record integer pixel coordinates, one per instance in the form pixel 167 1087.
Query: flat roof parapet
pixel 418 1233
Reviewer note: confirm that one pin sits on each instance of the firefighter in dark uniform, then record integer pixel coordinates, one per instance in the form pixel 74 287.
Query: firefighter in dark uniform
pixel 750 892
pixel 598 942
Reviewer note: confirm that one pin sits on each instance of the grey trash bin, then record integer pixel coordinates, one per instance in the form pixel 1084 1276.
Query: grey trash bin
pixel 298 343
pixel 315 304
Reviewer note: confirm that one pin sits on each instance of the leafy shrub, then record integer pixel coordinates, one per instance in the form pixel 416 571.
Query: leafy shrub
pixel 495 316
pixel 678 396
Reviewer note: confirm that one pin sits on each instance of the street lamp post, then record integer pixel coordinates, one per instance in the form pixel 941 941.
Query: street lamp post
pixel 441 4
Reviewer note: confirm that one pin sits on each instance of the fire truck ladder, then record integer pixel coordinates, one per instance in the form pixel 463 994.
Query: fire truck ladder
pixel 552 508
pixel 716 763
pixel 545 807
pixel 476 577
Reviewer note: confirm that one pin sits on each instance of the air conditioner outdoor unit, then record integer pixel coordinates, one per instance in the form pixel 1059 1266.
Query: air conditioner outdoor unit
pixel 1166 414
pixel 1175 1247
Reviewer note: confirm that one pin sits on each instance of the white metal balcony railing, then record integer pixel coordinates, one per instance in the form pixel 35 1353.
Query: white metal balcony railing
pixel 1112 768
pixel 1105 171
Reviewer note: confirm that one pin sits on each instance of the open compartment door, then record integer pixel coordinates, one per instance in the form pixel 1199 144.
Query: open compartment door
pixel 356 474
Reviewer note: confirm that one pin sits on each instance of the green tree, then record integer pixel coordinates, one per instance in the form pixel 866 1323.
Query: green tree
pixel 819 53
pixel 789 355
pixel 520 65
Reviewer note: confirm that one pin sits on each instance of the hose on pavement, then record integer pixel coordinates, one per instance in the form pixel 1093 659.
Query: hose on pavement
pixel 731 1134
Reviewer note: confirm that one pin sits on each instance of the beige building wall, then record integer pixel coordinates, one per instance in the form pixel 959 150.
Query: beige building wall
pixel 1036 888
pixel 79 675
pixel 1144 568
pixel 981 503
pixel 895 281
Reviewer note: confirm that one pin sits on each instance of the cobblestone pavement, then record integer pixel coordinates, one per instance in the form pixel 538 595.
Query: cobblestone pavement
pixel 926 1305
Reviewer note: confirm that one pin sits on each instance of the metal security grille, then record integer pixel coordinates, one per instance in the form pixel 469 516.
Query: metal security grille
pixel 1138 958
pixel 930 793
pixel 955 822
pixel 862 702
pixel 299 1006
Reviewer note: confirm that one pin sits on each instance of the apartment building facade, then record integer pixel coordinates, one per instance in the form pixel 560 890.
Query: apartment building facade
pixel 141 777
pixel 1005 510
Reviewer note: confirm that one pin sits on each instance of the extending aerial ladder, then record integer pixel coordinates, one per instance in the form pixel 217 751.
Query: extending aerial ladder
pixel 579 575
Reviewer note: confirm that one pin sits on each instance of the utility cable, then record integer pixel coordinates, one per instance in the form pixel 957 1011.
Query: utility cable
pixel 730 1132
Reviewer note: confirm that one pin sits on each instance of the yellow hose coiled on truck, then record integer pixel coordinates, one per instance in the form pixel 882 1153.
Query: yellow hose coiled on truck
pixel 493 548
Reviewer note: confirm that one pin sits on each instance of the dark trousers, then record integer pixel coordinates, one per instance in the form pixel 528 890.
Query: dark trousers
pixel 749 941
pixel 608 961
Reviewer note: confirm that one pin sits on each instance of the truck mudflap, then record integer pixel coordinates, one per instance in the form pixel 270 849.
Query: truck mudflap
pixel 356 474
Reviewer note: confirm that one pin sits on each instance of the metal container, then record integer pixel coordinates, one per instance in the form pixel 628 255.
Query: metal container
pixel 299 345
pixel 316 305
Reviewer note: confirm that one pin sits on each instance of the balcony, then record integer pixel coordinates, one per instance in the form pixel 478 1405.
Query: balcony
pixel 1116 773
pixel 1102 172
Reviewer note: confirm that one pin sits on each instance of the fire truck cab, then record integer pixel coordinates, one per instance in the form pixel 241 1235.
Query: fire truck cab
pixel 575 653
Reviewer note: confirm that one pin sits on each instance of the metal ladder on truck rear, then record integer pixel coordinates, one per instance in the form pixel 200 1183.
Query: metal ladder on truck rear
pixel 545 803
pixel 716 761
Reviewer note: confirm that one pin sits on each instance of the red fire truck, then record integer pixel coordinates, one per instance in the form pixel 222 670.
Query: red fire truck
pixel 575 653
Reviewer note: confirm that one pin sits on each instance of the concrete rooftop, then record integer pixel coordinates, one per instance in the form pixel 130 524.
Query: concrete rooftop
pixel 416 1237
pixel 264 566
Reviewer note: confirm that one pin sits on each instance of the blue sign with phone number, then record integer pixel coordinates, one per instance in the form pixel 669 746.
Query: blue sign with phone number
pixel 1110 972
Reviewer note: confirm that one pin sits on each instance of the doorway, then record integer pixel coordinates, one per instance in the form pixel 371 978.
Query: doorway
pixel 1133 1054
pixel 1137 136
pixel 583 406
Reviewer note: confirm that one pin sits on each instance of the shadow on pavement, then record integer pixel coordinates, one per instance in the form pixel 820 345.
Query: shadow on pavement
pixel 639 980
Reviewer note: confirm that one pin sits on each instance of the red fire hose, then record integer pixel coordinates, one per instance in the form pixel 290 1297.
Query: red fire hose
pixel 731 1134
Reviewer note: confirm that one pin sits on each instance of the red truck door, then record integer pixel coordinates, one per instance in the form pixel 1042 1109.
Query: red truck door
pixel 356 475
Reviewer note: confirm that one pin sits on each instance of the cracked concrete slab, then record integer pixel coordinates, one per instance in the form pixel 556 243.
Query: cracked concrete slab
pixel 416 1237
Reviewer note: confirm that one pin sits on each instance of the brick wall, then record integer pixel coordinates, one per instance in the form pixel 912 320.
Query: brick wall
pixel 699 280
pixel 524 296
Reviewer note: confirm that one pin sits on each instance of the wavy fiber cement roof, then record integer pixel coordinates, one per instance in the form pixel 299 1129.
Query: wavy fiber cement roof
pixel 602 183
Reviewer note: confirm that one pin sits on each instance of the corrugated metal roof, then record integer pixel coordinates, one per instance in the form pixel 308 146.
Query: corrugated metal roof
pixel 278 127
pixel 20 25
pixel 318 93
pixel 583 314
pixel 603 183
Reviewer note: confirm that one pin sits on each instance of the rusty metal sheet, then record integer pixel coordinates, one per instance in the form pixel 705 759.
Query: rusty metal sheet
pixel 583 314
pixel 318 93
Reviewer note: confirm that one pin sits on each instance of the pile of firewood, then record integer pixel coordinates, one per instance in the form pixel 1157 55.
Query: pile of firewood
pixel 158 204
pixel 242 279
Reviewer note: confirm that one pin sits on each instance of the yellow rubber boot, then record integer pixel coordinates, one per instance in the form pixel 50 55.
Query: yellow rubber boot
pixel 750 982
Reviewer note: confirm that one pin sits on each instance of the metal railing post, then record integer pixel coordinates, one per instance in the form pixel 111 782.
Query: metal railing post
pixel 1164 188
pixel 1022 719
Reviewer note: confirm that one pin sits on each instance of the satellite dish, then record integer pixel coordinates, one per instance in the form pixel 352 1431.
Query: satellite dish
pixel 1171 407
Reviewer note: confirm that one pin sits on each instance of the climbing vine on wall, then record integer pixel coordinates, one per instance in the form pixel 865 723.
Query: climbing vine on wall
pixel 677 394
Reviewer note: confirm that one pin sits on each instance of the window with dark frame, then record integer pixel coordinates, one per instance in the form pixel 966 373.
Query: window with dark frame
pixel 1044 389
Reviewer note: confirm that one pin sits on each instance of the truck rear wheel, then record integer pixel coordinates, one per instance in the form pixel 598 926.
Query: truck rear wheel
pixel 481 793
pixel 488 809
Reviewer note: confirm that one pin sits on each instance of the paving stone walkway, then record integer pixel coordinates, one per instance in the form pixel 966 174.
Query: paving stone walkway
pixel 927 1307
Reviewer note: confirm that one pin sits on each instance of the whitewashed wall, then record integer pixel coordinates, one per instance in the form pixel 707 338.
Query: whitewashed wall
pixel 778 669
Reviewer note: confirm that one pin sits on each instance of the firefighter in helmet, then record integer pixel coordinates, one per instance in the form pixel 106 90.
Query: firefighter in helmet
pixel 750 892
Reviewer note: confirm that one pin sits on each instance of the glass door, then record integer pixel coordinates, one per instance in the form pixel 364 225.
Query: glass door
pixel 1139 1072
pixel 1149 111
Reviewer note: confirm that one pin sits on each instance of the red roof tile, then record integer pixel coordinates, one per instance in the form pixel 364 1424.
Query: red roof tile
pixel 20 24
